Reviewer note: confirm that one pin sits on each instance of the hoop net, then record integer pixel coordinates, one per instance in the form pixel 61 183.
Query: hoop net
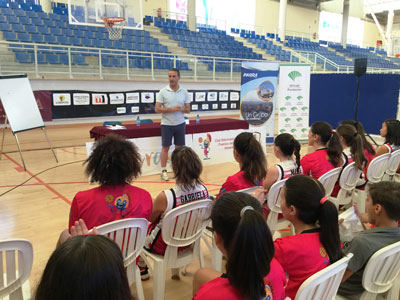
pixel 114 26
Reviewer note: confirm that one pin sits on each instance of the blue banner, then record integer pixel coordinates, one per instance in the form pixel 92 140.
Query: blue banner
pixel 258 93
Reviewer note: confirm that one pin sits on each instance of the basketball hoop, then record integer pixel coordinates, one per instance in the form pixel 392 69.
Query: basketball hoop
pixel 114 26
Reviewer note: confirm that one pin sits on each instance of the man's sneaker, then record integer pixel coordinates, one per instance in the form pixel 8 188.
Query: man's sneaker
pixel 164 175
pixel 144 273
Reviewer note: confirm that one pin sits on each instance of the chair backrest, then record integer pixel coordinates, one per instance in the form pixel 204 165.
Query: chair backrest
pixel 393 163
pixel 274 196
pixel 183 225
pixel 382 269
pixel 17 264
pixel 329 180
pixel 129 234
pixel 251 190
pixel 349 177
pixel 325 283
pixel 377 168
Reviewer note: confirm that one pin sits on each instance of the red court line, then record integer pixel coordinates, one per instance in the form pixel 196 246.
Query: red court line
pixel 65 150
pixel 39 180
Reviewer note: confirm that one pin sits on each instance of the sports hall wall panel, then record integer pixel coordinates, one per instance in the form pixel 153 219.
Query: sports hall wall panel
pixel 333 96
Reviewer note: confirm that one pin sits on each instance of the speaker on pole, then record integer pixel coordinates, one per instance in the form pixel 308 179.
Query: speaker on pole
pixel 360 66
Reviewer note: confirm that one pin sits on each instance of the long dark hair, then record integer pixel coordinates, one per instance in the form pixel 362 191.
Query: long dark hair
pixel 187 167
pixel 247 240
pixel 330 139
pixel 85 268
pixel 360 129
pixel 393 132
pixel 305 194
pixel 254 163
pixel 113 161
pixel 353 139
pixel 289 146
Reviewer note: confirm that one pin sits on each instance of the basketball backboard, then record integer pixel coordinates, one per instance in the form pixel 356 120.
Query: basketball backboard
pixel 92 12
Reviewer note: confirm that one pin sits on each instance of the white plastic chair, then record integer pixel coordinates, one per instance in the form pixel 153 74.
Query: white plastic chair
pixel 181 226
pixel 375 172
pixel 17 265
pixel 216 255
pixel 274 204
pixel 380 274
pixel 324 284
pixel 129 234
pixel 348 182
pixel 392 165
pixel 329 180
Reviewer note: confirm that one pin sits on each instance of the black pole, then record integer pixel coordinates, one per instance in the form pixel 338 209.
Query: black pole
pixel 358 96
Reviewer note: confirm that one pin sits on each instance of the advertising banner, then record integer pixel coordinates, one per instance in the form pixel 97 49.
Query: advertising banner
pixel 294 100
pixel 82 104
pixel 258 89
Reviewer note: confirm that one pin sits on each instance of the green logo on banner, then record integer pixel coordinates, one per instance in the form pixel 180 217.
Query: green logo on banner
pixel 299 98
pixel 288 98
pixel 287 120
pixel 282 130
pixel 304 130
pixel 304 108
pixel 282 109
pixel 294 74
pixel 294 108
pixel 293 130
pixel 299 119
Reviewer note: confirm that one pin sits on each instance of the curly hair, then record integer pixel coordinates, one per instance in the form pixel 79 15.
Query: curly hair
pixel 113 161
pixel 187 167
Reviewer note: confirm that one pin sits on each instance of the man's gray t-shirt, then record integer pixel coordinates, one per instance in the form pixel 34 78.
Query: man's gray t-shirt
pixel 363 247
pixel 168 98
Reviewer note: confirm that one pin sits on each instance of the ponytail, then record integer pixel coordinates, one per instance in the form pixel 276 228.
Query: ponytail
pixel 329 138
pixel 296 152
pixel 237 218
pixel 360 129
pixel 254 163
pixel 329 230
pixel 353 139
pixel 307 195
pixel 289 146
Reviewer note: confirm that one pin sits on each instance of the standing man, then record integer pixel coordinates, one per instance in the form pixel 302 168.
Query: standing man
pixel 172 101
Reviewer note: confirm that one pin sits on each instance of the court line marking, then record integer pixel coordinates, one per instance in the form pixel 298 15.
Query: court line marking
pixel 39 180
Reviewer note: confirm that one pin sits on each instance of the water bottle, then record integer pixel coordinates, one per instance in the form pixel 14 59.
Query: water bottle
pixel 138 121
pixel 197 119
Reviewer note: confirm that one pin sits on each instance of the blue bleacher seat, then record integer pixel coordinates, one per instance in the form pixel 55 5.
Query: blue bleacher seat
pixel 24 37
pixel 23 57
pixel 12 19
pixel 17 27
pixel 4 26
pixel 19 12
pixel 43 29
pixel 36 21
pixel 78 60
pixel 24 20
pixel 36 37
pixel 30 29
pixel 52 58
pixel 3 3
pixel 10 36
pixel 49 38
pixel 36 7
pixel 13 5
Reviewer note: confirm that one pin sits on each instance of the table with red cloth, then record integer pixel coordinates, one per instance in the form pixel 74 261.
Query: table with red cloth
pixel 154 129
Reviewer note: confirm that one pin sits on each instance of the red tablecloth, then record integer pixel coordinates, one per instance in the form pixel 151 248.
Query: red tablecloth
pixel 154 129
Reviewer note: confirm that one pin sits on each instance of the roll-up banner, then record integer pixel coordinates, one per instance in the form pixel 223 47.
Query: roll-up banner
pixel 257 105
pixel 294 100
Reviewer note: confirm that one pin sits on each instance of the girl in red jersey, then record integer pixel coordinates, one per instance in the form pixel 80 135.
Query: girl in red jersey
pixel 327 153
pixel 113 163
pixel 248 152
pixel 242 235
pixel 316 243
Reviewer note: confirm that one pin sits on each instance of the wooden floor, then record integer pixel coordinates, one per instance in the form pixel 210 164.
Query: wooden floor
pixel 38 210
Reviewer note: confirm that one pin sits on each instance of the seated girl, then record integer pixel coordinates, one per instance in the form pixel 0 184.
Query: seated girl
pixel 316 242
pixel 391 132
pixel 113 163
pixel 85 268
pixel 285 146
pixel 242 235
pixel 248 152
pixel 327 153
pixel 187 168
pixel 353 151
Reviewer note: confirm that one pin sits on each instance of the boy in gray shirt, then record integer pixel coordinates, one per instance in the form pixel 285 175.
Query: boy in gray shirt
pixel 382 207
